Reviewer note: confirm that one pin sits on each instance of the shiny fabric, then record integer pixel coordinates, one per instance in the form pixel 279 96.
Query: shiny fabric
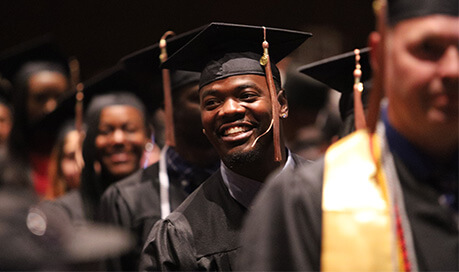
pixel 356 211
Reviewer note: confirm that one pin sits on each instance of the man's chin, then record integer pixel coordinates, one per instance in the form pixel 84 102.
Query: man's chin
pixel 237 158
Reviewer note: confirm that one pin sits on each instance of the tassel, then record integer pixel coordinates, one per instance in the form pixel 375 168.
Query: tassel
pixel 168 110
pixel 359 114
pixel 265 61
pixel 74 65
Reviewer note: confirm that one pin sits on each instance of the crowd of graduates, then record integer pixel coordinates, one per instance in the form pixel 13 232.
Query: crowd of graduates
pixel 203 152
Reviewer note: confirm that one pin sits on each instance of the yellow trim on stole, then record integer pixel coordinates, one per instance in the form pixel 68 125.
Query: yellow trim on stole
pixel 356 226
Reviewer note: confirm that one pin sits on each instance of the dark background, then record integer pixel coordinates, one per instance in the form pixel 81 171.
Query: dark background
pixel 100 32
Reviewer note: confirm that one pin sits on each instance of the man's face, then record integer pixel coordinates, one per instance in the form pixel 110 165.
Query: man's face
pixel 234 112
pixel 45 88
pixel 187 117
pixel 422 73
pixel 120 140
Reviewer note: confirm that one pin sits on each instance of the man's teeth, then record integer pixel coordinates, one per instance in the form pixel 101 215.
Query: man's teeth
pixel 234 130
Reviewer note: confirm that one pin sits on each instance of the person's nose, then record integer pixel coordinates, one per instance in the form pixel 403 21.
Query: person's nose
pixel 449 64
pixel 231 107
pixel 118 136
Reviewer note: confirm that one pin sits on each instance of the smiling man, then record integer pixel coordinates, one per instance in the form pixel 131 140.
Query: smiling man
pixel 238 119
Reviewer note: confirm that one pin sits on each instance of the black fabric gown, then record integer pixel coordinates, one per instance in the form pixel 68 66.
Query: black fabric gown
pixel 134 204
pixel 72 204
pixel 187 239
pixel 283 231
pixel 201 234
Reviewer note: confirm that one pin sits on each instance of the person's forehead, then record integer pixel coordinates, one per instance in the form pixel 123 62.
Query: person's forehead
pixel 236 81
pixel 116 108
pixel 48 77
pixel 120 113
pixel 438 27
pixel 400 10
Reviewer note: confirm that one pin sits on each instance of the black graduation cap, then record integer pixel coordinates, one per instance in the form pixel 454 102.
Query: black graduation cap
pixel 113 79
pixel 304 91
pixel 399 10
pixel 144 64
pixel 221 50
pixel 43 49
pixel 337 73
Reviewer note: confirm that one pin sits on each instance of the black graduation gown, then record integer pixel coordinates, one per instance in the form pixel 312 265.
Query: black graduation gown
pixel 72 204
pixel 134 204
pixel 283 231
pixel 201 234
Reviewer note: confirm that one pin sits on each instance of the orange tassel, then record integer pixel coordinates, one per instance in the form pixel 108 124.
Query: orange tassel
pixel 168 110
pixel 265 60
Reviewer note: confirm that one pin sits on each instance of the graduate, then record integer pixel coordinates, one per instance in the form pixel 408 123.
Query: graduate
pixel 40 76
pixel 241 102
pixel 138 201
pixel 384 198
pixel 117 130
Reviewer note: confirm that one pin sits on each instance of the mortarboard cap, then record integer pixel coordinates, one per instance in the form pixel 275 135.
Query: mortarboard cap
pixel 399 10
pixel 221 50
pixel 304 91
pixel 42 50
pixel 144 65
pixel 337 73
pixel 109 81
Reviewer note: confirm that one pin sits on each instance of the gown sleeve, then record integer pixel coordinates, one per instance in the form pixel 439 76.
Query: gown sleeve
pixel 114 210
pixel 282 231
pixel 169 246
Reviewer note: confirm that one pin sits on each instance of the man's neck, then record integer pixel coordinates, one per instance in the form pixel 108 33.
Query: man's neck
pixel 438 144
pixel 259 169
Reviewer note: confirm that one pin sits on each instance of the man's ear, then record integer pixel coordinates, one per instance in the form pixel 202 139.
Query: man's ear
pixel 374 41
pixel 282 99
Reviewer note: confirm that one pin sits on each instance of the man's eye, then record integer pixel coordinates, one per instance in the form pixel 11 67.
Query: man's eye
pixel 430 50
pixel 248 96
pixel 131 128
pixel 210 103
pixel 104 131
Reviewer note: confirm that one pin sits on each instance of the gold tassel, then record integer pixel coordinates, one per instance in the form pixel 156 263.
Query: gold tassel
pixel 359 114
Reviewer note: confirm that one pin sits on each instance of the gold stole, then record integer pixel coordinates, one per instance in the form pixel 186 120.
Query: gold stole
pixel 357 233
